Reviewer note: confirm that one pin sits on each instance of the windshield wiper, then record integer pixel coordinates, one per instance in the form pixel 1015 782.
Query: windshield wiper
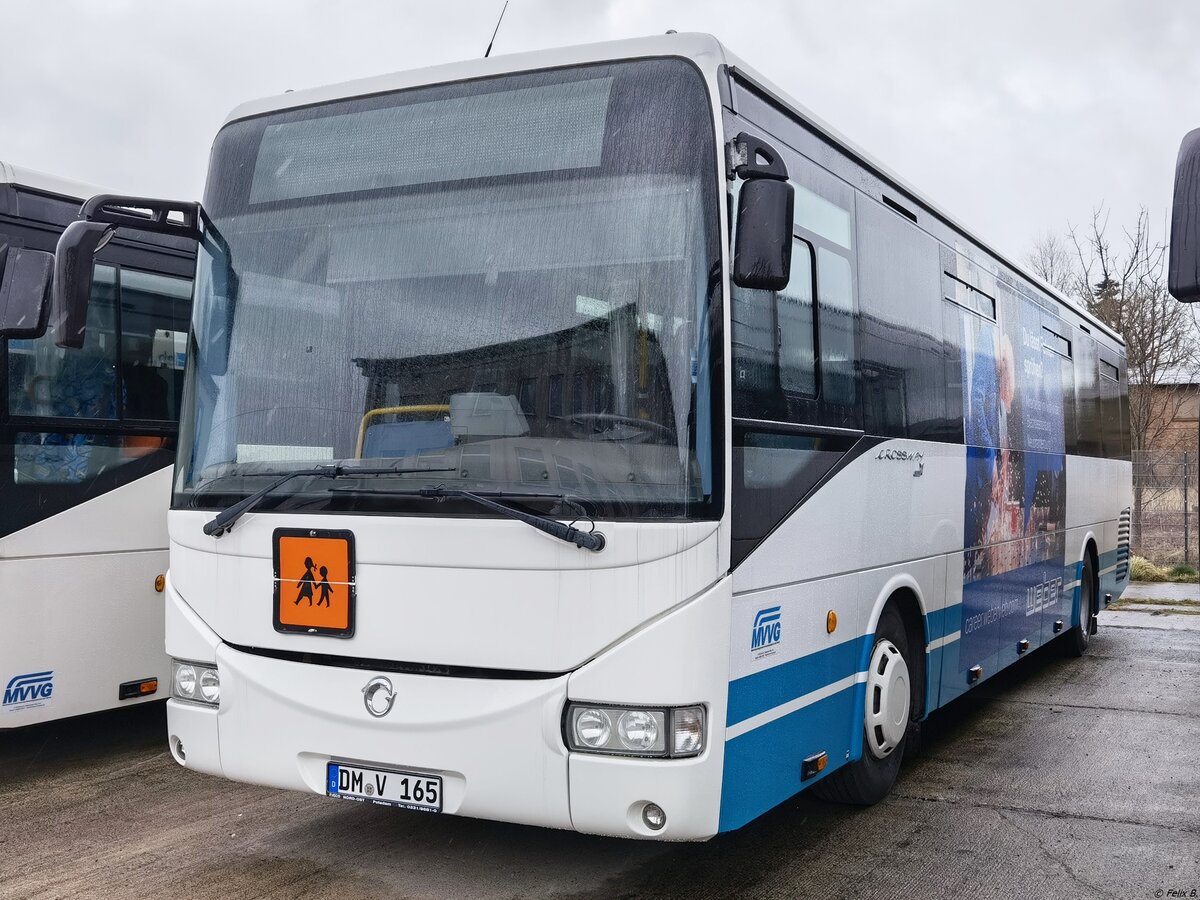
pixel 585 540
pixel 224 520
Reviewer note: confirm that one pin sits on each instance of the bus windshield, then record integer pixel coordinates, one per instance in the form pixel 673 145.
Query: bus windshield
pixel 509 281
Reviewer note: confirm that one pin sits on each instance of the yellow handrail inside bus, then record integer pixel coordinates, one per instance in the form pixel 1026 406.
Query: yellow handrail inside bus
pixel 391 410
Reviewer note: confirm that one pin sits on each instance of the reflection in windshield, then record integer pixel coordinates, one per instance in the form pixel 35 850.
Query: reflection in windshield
pixel 523 317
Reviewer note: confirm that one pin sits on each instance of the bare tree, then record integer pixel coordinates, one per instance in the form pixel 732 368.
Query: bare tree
pixel 1053 259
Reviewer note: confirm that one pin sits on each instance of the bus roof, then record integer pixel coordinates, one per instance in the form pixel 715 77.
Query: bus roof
pixel 703 49
pixel 46 183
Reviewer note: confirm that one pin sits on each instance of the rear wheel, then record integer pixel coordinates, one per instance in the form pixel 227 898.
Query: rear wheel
pixel 1080 636
pixel 889 704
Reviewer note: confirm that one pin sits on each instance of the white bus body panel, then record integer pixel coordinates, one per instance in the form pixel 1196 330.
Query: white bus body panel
pixel 466 592
pixel 77 600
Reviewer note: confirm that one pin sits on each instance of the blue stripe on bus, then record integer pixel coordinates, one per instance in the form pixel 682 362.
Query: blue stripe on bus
pixel 762 767
pixel 942 622
pixel 757 693
pixel 933 672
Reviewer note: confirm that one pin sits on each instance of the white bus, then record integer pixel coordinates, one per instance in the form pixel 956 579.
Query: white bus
pixel 595 439
pixel 86 445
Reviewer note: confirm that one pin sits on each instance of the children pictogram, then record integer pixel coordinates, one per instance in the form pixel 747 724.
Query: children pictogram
pixel 306 582
pixel 324 587
pixel 314 581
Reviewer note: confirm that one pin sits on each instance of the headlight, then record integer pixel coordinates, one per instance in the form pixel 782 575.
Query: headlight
pixel 658 732
pixel 184 684
pixel 195 682
pixel 639 730
pixel 593 727
pixel 210 686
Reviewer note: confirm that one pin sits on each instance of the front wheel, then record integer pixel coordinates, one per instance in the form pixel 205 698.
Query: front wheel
pixel 887 721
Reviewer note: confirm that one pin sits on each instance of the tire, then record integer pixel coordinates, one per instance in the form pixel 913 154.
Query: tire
pixel 868 779
pixel 1079 637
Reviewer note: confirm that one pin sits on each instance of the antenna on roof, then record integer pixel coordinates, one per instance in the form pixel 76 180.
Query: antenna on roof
pixel 503 10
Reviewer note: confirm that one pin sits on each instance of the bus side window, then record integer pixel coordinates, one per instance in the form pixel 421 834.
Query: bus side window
pixel 154 313
pixel 1088 412
pixel 774 342
pixel 47 381
pixel 1110 406
pixel 794 326
pixel 836 290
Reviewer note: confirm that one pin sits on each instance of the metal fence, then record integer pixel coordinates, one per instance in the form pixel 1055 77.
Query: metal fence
pixel 1166 507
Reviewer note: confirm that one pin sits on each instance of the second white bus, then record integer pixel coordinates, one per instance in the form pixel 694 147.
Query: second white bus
pixel 87 439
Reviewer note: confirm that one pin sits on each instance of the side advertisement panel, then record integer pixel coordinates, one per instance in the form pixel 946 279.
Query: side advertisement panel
pixel 1015 492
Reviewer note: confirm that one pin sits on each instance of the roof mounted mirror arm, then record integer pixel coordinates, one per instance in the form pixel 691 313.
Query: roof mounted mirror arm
pixel 178 217
pixel 751 157
pixel 99 219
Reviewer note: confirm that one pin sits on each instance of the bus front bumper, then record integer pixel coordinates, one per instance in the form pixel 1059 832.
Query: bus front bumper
pixel 497 744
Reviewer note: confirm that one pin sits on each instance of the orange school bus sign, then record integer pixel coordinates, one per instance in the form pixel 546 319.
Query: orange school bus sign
pixel 314 581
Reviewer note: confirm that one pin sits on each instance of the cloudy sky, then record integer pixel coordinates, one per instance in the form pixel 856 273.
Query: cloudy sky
pixel 1017 118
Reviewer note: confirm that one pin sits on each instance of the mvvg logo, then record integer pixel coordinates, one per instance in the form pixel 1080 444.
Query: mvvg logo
pixel 24 691
pixel 768 629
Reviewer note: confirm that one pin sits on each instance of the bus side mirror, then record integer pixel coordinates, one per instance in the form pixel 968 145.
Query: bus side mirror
pixel 77 247
pixel 1183 270
pixel 762 257
pixel 762 253
pixel 24 292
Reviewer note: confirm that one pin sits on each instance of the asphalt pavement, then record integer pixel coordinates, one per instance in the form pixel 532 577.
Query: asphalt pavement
pixel 1057 778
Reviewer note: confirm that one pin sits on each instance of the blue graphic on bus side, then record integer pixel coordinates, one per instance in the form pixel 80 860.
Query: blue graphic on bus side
pixel 767 630
pixel 28 690
pixel 1015 501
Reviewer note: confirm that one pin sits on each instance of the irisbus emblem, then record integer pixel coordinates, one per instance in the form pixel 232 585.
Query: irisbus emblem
pixel 768 628
pixel 29 690
pixel 378 697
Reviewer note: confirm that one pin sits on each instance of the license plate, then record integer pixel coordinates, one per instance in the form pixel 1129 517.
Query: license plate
pixel 384 787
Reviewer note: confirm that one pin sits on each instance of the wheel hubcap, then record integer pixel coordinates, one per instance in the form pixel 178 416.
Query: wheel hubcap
pixel 889 698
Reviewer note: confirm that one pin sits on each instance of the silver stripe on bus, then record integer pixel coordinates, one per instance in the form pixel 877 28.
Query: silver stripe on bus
pixel 943 641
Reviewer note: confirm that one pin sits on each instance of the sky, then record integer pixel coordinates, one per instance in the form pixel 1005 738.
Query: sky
pixel 1016 118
